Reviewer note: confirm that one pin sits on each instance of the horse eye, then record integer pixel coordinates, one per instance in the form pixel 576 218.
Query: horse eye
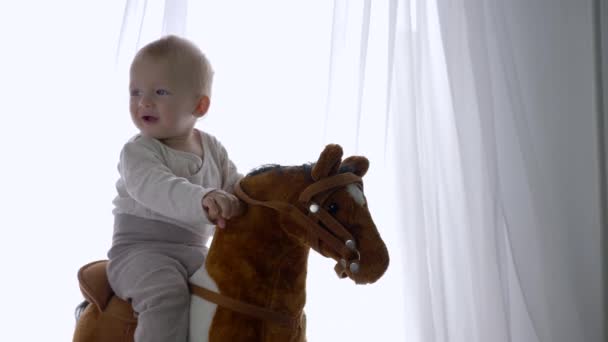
pixel 333 208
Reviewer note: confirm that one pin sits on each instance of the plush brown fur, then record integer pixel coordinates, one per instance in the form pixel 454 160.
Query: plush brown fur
pixel 259 258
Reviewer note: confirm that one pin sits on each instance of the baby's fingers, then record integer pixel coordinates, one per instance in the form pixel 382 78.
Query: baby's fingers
pixel 233 207
pixel 222 206
pixel 215 215
pixel 225 208
pixel 238 207
pixel 212 208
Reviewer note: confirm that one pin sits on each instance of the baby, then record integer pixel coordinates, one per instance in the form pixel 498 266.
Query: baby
pixel 175 185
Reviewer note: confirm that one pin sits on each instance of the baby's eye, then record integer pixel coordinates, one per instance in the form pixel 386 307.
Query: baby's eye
pixel 162 92
pixel 134 92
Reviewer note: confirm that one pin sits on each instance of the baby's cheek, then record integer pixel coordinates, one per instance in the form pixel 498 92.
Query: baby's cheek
pixel 133 107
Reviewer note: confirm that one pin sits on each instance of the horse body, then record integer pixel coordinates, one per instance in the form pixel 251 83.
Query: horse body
pixel 273 277
pixel 259 265
pixel 260 258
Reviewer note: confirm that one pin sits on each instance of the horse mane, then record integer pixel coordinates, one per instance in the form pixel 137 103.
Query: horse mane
pixel 306 168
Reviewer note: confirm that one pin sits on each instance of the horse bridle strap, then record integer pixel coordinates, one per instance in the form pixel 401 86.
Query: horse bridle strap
pixel 245 308
pixel 325 184
pixel 312 215
pixel 333 234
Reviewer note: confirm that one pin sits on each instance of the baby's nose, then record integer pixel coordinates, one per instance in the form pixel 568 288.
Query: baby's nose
pixel 145 102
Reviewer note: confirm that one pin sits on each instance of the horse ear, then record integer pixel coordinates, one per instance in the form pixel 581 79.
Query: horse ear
pixel 328 163
pixel 355 164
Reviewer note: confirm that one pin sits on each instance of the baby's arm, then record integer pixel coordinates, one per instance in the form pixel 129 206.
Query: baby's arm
pixel 221 204
pixel 150 182
pixel 230 175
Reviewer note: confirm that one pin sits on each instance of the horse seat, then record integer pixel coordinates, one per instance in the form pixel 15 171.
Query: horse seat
pixel 94 285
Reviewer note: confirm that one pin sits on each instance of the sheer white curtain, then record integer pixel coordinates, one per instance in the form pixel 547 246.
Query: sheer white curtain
pixel 490 113
pixel 485 188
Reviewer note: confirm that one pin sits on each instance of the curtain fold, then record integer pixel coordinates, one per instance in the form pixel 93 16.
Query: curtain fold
pixel 145 21
pixel 600 10
pixel 496 175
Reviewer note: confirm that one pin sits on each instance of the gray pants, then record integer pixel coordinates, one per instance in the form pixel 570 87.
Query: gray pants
pixel 150 263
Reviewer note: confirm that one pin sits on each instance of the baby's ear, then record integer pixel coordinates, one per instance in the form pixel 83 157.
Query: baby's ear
pixel 202 106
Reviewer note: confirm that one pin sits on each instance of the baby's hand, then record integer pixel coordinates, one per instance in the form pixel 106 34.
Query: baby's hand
pixel 221 206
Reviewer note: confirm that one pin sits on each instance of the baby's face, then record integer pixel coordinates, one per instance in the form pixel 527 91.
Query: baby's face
pixel 161 106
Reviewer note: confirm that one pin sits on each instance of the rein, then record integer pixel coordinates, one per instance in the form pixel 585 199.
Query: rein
pixel 321 226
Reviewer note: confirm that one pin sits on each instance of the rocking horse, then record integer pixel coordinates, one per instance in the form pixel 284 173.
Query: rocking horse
pixel 253 284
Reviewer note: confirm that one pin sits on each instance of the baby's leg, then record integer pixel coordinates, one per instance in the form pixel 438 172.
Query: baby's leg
pixel 157 286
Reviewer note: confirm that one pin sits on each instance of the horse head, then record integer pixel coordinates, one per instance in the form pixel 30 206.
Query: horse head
pixel 323 206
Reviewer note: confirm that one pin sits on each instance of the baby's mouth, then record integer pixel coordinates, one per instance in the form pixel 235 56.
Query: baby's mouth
pixel 149 118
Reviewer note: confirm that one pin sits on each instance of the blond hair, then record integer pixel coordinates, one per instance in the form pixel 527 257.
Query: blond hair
pixel 186 60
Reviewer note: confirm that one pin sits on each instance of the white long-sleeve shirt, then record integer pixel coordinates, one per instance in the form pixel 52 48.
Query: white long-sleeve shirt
pixel 161 183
